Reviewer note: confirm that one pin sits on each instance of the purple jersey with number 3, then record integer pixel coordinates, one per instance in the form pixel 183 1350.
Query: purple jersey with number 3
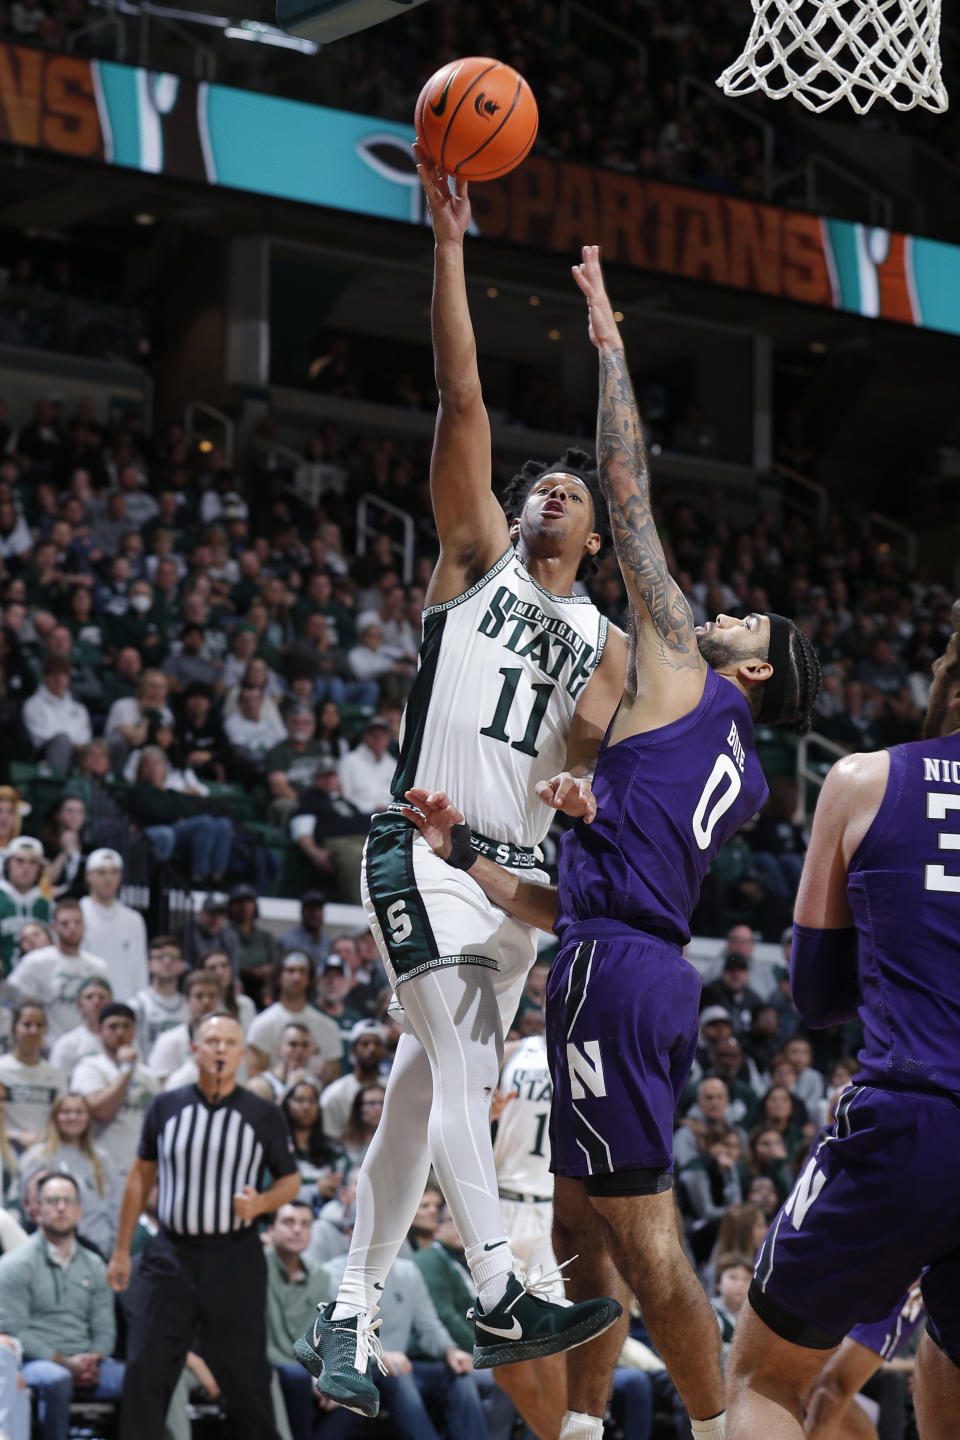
pixel 666 801
pixel 903 885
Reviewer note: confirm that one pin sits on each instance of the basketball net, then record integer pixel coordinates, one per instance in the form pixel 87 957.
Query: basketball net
pixel 822 51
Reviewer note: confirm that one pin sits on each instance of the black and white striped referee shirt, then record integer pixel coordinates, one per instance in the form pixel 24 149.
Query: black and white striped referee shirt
pixel 205 1154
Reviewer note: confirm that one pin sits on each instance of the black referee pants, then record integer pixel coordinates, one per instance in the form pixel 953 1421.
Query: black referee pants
pixel 211 1288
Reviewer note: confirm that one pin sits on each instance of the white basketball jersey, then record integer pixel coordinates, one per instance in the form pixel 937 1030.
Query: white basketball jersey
pixel 501 670
pixel 521 1150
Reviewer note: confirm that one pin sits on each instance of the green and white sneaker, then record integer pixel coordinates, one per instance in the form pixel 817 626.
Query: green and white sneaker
pixel 338 1354
pixel 526 1324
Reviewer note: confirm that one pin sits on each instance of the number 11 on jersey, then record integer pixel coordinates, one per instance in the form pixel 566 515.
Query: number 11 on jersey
pixel 497 729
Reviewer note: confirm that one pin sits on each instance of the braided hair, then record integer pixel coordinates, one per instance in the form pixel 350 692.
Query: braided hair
pixel 571 462
pixel 803 684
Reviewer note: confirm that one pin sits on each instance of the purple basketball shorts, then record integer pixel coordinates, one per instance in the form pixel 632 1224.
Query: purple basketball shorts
pixel 621 1035
pixel 875 1203
pixel 888 1337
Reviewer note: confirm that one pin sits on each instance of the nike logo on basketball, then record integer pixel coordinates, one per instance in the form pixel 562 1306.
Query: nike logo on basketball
pixel 441 104
pixel 513 1334
pixel 496 1246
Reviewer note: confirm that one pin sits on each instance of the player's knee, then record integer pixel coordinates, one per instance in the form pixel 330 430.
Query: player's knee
pixel 649 1252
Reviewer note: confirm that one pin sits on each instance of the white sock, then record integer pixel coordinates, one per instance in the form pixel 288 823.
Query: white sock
pixel 490 1265
pixel 715 1428
pixel 342 1311
pixel 577 1426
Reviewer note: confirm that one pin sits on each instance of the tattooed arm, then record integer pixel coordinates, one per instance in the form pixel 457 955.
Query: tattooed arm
pixel 669 668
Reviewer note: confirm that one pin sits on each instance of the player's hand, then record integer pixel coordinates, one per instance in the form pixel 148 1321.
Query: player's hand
pixel 246 1205
pixel 570 793
pixel 449 210
pixel 601 325
pixel 458 1360
pixel 499 1103
pixel 434 815
pixel 118 1271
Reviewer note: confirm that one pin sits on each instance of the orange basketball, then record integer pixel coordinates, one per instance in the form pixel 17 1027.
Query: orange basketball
pixel 476 118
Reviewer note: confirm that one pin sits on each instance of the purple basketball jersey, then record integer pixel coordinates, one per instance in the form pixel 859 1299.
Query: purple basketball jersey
pixel 904 890
pixel 666 801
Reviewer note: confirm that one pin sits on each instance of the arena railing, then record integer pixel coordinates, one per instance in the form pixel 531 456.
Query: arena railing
pixel 811 773
pixel 881 208
pixel 686 83
pixel 905 537
pixel 366 530
pixel 199 408
pixel 813 502
pixel 309 479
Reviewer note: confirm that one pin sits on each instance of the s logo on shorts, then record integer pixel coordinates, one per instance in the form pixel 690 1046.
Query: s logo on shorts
pixel 399 921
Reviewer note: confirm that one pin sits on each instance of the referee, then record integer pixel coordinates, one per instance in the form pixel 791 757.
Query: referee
pixel 204 1274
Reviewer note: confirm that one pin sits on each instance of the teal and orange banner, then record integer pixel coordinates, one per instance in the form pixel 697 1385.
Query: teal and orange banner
pixel 166 125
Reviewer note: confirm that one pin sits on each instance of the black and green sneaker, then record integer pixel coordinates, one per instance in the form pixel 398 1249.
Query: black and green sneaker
pixel 338 1354
pixel 526 1324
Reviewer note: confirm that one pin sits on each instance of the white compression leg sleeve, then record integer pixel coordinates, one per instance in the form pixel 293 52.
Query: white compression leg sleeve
pixel 391 1181
pixel 453 1011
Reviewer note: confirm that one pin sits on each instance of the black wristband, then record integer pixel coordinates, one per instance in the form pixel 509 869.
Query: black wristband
pixel 462 854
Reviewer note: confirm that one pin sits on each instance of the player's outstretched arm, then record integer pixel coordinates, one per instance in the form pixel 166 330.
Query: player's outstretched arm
pixel 435 816
pixel 665 628
pixel 472 528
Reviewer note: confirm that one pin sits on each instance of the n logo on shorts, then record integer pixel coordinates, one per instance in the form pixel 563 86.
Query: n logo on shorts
pixel 803 1194
pixel 586 1067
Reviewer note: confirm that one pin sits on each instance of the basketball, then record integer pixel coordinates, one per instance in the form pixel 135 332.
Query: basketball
pixel 476 118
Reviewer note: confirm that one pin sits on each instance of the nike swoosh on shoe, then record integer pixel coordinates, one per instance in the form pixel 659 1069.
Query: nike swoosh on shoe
pixel 513 1334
